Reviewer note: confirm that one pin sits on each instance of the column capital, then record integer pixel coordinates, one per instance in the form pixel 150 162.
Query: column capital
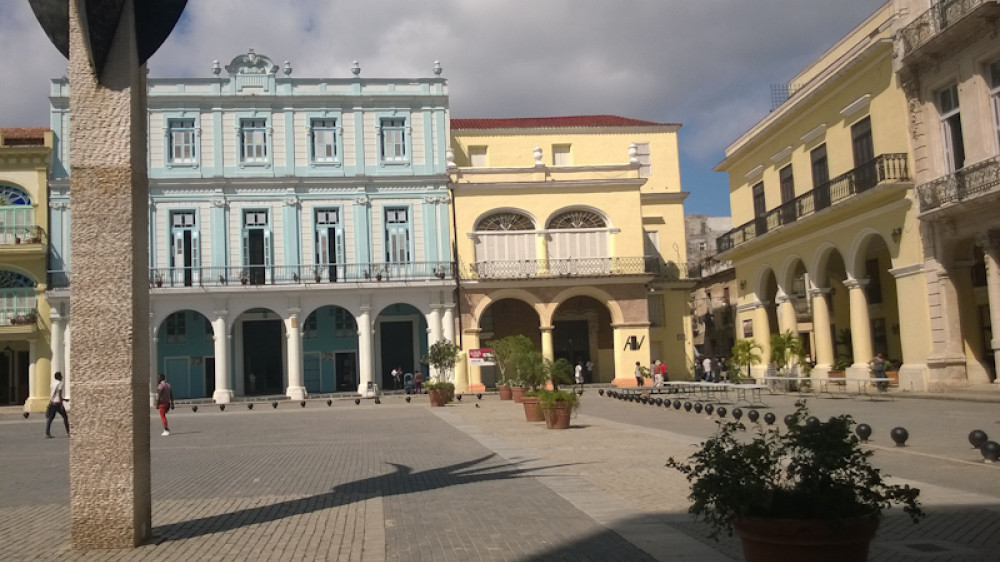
pixel 782 299
pixel 819 291
pixel 546 328
pixel 853 284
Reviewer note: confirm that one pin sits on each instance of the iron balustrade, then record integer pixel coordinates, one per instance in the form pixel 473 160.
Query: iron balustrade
pixel 882 168
pixel 18 315
pixel 25 234
pixel 577 267
pixel 256 275
pixel 968 182
pixel 941 16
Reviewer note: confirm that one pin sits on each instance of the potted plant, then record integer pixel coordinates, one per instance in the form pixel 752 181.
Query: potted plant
pixel 507 352
pixel 534 373
pixel 806 493
pixel 557 407
pixel 745 352
pixel 440 392
pixel 442 355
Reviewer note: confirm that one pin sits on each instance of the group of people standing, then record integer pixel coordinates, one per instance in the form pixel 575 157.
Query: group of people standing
pixel 658 370
pixel 410 383
pixel 713 369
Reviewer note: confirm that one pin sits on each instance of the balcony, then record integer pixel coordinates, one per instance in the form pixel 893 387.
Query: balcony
pixel 578 267
pixel 286 275
pixel 881 169
pixel 947 26
pixel 968 183
pixel 23 234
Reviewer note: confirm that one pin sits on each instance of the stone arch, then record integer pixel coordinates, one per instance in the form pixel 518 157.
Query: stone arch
pixel 185 352
pixel 494 296
pixel 855 260
pixel 764 274
pixel 260 336
pixel 583 209
pixel 617 316
pixel 12 194
pixel 161 314
pixel 787 273
pixel 820 261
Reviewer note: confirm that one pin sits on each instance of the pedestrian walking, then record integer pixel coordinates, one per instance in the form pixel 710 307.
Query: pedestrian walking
pixel 418 381
pixel 396 373
pixel 657 374
pixel 638 374
pixel 706 368
pixel 878 370
pixel 578 373
pixel 56 407
pixel 164 402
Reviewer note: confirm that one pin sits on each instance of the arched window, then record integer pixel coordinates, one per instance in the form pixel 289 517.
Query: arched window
pixel 18 303
pixel 14 280
pixel 577 219
pixel 505 221
pixel 10 195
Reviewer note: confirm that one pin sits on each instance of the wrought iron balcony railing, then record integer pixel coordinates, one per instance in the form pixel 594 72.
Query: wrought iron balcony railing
pixel 256 275
pixel 969 182
pixel 943 17
pixel 25 234
pixel 883 168
pixel 18 316
pixel 576 267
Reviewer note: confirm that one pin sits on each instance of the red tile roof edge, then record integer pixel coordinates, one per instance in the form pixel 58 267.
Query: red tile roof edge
pixel 570 121
pixel 23 134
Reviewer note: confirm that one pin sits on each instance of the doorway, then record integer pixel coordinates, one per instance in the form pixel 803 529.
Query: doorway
pixel 262 371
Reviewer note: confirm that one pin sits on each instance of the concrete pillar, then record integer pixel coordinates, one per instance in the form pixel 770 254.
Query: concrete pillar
pixel 761 335
pixel 365 352
pixel 109 205
pixel 296 389
pixel 821 330
pixel 433 319
pixel 58 336
pixel 990 243
pixel 548 349
pixel 787 321
pixel 448 323
pixel 154 368
pixel 861 331
pixel 223 392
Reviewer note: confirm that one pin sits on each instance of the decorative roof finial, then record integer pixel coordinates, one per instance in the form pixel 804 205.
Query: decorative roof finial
pixel 437 68
pixel 287 68
pixel 216 69
pixel 356 69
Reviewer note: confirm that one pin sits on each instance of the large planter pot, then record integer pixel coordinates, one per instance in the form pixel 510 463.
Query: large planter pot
pixel 532 411
pixel 815 540
pixel 557 416
pixel 518 393
pixel 438 398
pixel 505 392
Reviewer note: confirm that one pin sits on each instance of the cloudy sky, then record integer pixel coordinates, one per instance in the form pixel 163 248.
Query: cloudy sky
pixel 707 64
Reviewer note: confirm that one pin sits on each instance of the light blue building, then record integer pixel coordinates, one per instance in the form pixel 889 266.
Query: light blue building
pixel 299 229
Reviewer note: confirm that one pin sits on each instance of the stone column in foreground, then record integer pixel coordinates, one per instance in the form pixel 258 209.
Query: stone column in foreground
pixel 109 294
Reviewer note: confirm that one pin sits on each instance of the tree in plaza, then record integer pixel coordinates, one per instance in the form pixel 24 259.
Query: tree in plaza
pixel 511 354
pixel 442 355
pixel 745 353
pixel 787 350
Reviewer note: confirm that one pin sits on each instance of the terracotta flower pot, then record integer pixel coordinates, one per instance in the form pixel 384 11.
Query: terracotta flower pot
pixel 438 398
pixel 518 393
pixel 505 392
pixel 532 411
pixel 816 540
pixel 557 416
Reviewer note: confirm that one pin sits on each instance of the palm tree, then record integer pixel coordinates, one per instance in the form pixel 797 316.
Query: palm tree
pixel 745 353
pixel 787 350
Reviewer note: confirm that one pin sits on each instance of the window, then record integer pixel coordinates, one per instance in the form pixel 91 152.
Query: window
pixel 995 98
pixel 344 323
pixel 397 235
pixel 329 245
pixel 181 138
pixel 256 247
pixel 759 209
pixel 787 182
pixel 477 156
pixel 177 328
pixel 505 221
pixel 642 153
pixel 253 141
pixel 865 176
pixel 820 177
pixel 393 140
pixel 560 155
pixel 324 141
pixel 654 304
pixel 184 248
pixel 873 289
pixel 951 128
pixel 309 327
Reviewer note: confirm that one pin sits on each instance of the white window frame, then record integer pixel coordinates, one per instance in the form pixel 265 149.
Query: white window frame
pixel 946 115
pixel 254 139
pixel 562 155
pixel 392 140
pixel 324 140
pixel 478 156
pixel 182 141
pixel 642 153
pixel 397 235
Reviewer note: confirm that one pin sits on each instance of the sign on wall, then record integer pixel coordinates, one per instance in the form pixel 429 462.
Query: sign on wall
pixel 481 357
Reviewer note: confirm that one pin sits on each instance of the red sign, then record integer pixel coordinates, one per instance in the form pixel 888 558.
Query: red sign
pixel 481 357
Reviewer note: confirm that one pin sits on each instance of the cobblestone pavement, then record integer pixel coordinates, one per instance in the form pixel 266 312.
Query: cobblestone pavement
pixel 472 481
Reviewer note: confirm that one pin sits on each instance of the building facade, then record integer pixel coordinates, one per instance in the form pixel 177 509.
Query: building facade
pixel 25 156
pixel 948 62
pixel 570 230
pixel 299 230
pixel 828 244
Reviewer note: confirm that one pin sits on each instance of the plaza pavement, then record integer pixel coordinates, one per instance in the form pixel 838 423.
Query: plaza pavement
pixel 474 481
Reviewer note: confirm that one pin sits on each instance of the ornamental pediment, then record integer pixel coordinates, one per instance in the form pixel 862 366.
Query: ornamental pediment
pixel 251 63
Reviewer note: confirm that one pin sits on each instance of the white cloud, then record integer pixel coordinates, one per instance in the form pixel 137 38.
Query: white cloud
pixel 706 64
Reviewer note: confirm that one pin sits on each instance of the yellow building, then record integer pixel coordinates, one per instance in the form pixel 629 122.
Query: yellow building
pixel 828 244
pixel 570 230
pixel 25 156
pixel 948 59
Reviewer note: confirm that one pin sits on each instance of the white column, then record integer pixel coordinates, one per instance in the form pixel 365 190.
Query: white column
pixel 548 348
pixel 861 331
pixel 787 321
pixel 990 243
pixel 364 349
pixel 68 365
pixel 296 389
pixel 448 323
pixel 821 329
pixel 223 393
pixel 154 349
pixel 58 342
pixel 433 335
pixel 33 386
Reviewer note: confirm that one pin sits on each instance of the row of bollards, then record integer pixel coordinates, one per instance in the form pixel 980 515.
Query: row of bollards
pixel 899 435
pixel 302 403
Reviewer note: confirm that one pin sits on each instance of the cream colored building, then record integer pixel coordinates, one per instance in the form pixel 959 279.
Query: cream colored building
pixel 828 244
pixel 570 230
pixel 948 61
pixel 25 157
